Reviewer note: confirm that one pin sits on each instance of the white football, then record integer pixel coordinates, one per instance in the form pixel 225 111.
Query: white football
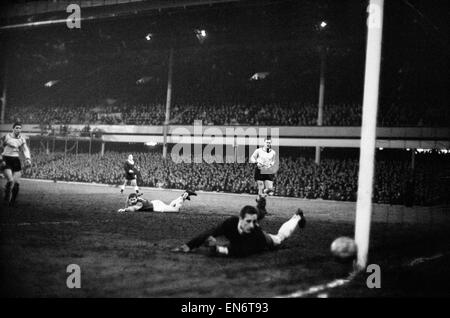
pixel 343 247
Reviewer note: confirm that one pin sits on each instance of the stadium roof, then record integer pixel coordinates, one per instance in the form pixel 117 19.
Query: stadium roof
pixel 266 33
pixel 37 13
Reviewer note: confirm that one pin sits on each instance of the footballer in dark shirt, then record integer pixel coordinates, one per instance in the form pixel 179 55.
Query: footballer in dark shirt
pixel 244 234
pixel 130 174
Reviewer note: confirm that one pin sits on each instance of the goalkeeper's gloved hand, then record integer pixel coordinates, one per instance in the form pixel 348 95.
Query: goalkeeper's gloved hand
pixel 218 250
pixel 210 241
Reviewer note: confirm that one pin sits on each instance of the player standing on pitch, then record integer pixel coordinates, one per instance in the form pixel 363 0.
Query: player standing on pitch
pixel 12 144
pixel 130 174
pixel 264 158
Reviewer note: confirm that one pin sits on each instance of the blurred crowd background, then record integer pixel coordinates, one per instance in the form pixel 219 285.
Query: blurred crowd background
pixel 261 114
pixel 335 178
pixel 260 64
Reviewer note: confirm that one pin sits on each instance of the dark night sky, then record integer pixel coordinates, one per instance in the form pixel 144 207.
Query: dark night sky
pixel 106 57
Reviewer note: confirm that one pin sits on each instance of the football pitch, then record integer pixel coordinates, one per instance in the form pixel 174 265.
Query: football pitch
pixel 128 255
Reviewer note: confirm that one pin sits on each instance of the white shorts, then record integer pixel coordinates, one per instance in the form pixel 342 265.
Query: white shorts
pixel 159 206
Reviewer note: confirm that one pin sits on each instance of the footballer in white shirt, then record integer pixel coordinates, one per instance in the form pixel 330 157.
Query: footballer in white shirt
pixel 12 145
pixel 264 158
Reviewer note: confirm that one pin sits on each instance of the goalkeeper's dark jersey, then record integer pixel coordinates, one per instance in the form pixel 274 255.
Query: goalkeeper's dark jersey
pixel 240 244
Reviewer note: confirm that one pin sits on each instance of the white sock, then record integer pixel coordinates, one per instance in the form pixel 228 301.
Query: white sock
pixel 288 227
pixel 178 202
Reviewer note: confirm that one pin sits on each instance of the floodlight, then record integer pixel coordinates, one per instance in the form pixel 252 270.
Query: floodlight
pixel 201 35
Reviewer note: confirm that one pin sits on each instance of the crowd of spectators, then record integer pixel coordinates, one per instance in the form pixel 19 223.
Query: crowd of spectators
pixel 332 179
pixel 260 114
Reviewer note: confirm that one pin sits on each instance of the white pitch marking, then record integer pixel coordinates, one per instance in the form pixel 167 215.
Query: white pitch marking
pixel 322 287
pixel 181 190
pixel 42 223
pixel 421 260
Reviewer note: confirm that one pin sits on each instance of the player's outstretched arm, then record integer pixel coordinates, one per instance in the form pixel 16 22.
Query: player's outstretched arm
pixel 205 238
pixel 210 241
pixel 132 208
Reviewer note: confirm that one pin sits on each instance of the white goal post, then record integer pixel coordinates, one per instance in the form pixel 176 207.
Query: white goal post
pixel 368 130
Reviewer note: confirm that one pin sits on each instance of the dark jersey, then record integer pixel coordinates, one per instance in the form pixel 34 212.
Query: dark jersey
pixel 147 206
pixel 127 167
pixel 240 244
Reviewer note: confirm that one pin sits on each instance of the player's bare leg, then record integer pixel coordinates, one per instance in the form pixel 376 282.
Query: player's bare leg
pixel 287 228
pixel 268 187
pixel 159 206
pixel 9 184
pixel 174 206
pixel 178 202
pixel 122 187
pixel 134 184
pixel 261 189
pixel 261 207
pixel 15 188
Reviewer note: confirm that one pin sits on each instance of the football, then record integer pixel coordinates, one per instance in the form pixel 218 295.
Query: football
pixel 343 247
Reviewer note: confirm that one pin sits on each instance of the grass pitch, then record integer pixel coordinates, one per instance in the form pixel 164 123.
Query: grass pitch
pixel 128 255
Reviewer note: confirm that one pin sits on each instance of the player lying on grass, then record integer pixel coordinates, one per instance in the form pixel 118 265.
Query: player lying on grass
pixel 137 204
pixel 244 234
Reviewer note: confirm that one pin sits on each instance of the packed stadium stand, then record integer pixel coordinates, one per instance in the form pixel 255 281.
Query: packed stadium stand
pixel 259 114
pixel 334 179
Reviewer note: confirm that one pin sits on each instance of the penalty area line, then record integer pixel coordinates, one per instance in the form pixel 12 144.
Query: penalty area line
pixel 55 223
pixel 42 223
pixel 421 260
pixel 319 288
pixel 250 195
